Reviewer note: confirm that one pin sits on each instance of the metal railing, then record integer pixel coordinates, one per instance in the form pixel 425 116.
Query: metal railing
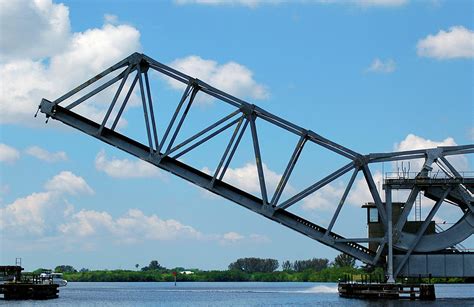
pixel 431 175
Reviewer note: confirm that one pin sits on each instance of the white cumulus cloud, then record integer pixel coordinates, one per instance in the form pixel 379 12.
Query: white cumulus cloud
pixel 413 142
pixel 8 154
pixel 328 197
pixel 125 168
pixel 68 183
pixel 57 61
pixel 153 228
pixel 26 214
pixel 43 154
pixel 232 238
pixel 380 66
pixel 23 22
pixel 39 212
pixel 48 215
pixel 246 178
pixel 135 226
pixel 110 18
pixel 457 42
pixel 325 199
pixel 230 77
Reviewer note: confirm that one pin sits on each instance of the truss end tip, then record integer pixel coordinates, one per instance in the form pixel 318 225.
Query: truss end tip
pixel 36 114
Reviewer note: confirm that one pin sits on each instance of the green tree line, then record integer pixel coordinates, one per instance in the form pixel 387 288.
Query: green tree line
pixel 243 269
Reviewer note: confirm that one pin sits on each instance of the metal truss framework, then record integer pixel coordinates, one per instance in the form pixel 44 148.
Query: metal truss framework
pixel 163 151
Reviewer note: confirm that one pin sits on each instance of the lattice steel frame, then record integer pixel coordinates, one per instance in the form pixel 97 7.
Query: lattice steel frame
pixel 164 154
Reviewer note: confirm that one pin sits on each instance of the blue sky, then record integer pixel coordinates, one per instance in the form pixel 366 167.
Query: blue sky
pixel 372 75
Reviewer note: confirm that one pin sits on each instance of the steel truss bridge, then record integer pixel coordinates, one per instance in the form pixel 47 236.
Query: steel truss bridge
pixel 162 150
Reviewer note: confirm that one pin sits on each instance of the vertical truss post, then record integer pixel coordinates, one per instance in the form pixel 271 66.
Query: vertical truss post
pixel 258 159
pixel 145 112
pixel 389 235
pixel 152 114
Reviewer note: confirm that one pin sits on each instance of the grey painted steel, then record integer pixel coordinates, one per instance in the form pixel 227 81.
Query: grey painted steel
pixel 289 169
pixel 459 232
pixel 247 113
pixel 258 160
pixel 234 148
pixel 114 100
pixel 438 265
pixel 125 62
pixel 181 120
pixel 343 199
pixel 205 139
pixel 227 149
pixel 421 231
pixel 178 108
pixel 389 235
pixel 96 91
pixel 360 240
pixel 203 180
pixel 201 133
pixel 124 103
pixel 318 185
pixel 380 250
pixel 402 219
pixel 145 112
pixel 375 194
pixel 152 113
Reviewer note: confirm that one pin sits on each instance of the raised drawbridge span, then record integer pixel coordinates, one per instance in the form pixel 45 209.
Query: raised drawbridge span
pixel 129 81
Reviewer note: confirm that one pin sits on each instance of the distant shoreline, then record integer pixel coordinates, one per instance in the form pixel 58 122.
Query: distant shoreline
pixel 326 275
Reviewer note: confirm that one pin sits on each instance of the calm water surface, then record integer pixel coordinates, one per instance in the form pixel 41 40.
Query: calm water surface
pixel 230 294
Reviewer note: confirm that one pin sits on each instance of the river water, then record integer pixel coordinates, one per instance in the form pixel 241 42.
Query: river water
pixel 230 294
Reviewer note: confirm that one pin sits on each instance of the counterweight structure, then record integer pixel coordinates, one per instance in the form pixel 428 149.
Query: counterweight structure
pixel 163 150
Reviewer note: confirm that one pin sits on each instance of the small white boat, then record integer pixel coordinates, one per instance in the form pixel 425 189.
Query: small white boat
pixel 53 278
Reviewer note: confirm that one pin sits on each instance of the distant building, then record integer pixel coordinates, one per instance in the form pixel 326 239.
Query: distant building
pixel 186 272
